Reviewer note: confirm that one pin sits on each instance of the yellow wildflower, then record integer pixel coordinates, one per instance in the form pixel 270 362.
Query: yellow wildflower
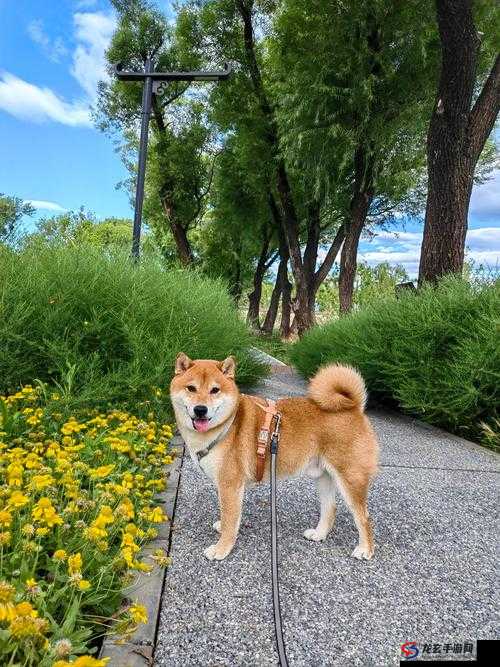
pixel 59 554
pixel 75 563
pixel 17 499
pixel 40 482
pixel 138 613
pixel 5 518
pixel 102 471
pixel 44 512
pixel 84 585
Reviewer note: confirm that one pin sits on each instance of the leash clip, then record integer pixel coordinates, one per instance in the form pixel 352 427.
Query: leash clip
pixel 275 437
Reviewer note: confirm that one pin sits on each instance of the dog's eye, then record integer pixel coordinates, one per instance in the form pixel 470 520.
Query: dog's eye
pixel 191 388
pixel 214 390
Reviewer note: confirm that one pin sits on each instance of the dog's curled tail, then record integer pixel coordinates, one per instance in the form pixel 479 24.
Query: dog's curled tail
pixel 337 387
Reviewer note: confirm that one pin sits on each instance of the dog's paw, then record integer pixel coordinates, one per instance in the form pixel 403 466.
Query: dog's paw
pixel 362 553
pixel 216 526
pixel 215 552
pixel 314 535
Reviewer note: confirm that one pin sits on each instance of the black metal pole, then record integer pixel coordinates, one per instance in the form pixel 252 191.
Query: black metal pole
pixel 147 93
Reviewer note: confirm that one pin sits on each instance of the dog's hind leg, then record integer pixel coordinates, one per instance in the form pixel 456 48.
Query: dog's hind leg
pixel 354 490
pixel 326 491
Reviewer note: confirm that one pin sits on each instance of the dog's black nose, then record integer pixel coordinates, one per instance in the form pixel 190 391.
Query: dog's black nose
pixel 200 411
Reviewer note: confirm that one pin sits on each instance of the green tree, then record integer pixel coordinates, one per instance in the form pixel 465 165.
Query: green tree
pixel 12 211
pixel 360 127
pixel 220 30
pixel 79 227
pixel 466 107
pixel 181 158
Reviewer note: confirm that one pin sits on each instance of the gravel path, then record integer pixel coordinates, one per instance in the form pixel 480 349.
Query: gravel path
pixel 434 507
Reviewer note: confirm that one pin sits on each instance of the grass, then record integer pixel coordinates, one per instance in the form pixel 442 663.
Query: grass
pixel 106 332
pixel 274 346
pixel 434 354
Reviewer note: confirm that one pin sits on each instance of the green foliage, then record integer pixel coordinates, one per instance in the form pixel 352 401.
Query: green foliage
pixel 90 319
pixel 274 346
pixel 12 211
pixel 372 284
pixel 77 227
pixel 435 354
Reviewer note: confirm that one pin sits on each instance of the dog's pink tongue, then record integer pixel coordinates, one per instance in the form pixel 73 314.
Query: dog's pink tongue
pixel 201 425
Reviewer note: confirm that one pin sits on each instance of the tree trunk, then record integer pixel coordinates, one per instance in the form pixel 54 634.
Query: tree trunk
pixel 455 140
pixel 360 205
pixel 272 311
pixel 253 314
pixel 349 257
pixel 286 306
pixel 184 250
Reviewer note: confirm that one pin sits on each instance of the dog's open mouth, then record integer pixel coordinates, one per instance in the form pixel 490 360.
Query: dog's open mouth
pixel 201 424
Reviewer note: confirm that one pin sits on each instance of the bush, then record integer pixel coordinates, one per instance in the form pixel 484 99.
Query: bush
pixel 434 354
pixel 105 330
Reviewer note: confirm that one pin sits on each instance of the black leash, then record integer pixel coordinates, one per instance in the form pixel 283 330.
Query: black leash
pixel 278 626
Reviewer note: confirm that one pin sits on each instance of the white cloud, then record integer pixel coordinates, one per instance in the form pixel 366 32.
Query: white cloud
pixel 485 199
pixel 36 104
pixel 53 49
pixel 482 246
pixel 93 32
pixel 45 205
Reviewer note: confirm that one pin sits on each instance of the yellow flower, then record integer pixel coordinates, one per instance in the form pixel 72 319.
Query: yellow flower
pixel 102 471
pixel 59 554
pixel 75 563
pixel 40 482
pixel 26 609
pixel 156 515
pixel 83 661
pixel 7 592
pixel 5 538
pixel 27 626
pixel 84 585
pixel 7 611
pixel 126 509
pixel 17 499
pixel 44 512
pixel 138 613
pixel 5 518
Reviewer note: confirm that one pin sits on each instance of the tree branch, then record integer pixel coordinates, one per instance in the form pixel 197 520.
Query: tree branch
pixel 331 255
pixel 485 111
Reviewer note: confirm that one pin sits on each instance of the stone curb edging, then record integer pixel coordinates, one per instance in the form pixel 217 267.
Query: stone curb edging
pixel 148 588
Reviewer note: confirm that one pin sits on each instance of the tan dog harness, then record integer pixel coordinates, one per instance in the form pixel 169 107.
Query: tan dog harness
pixel 271 414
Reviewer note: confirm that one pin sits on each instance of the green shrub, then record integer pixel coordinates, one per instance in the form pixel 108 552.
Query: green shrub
pixel 106 330
pixel 435 354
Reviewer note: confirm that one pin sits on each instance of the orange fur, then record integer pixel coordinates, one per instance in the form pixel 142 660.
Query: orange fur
pixel 337 387
pixel 325 435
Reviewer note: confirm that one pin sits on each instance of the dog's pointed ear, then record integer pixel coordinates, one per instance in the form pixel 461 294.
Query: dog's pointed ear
pixel 182 363
pixel 228 367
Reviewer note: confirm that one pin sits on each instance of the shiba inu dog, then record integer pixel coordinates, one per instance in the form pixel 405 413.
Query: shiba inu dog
pixel 324 435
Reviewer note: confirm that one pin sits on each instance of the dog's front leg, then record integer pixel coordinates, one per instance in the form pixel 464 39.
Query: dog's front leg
pixel 230 500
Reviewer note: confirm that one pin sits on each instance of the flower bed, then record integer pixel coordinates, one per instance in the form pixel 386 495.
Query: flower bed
pixel 76 504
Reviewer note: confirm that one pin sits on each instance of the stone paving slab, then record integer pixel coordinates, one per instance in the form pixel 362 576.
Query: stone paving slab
pixel 433 577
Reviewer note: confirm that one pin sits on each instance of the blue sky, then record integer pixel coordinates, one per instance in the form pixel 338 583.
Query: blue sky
pixel 51 58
